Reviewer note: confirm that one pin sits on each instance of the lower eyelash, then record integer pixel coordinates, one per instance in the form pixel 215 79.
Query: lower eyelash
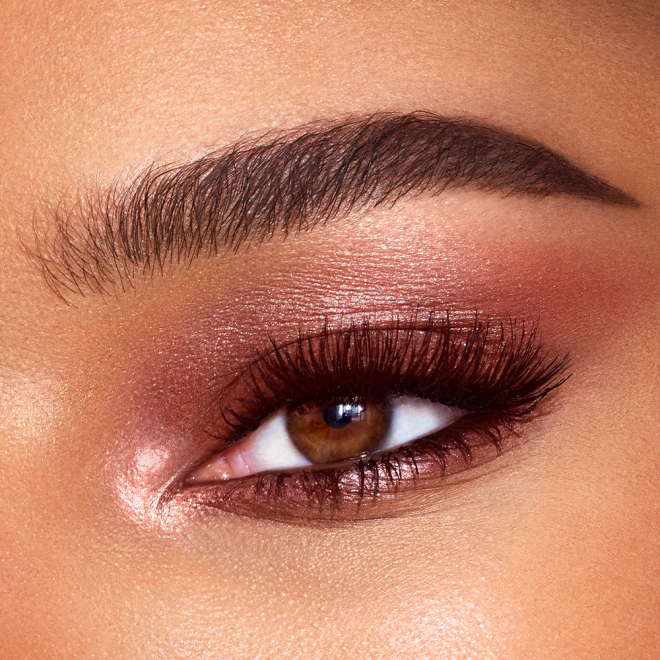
pixel 497 372
pixel 355 490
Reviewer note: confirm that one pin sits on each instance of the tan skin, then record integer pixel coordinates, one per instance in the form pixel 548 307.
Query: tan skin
pixel 550 551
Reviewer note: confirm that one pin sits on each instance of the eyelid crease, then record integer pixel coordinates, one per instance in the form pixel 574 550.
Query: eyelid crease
pixel 289 181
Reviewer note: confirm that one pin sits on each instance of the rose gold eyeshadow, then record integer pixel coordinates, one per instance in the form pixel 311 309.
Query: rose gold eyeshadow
pixel 202 338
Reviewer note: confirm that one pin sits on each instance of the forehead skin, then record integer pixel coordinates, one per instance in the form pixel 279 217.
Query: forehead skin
pixel 524 567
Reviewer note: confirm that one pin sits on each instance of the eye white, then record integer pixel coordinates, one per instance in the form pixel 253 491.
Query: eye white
pixel 413 418
pixel 270 448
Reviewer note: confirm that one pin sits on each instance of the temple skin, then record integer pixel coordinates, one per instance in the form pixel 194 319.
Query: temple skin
pixel 549 553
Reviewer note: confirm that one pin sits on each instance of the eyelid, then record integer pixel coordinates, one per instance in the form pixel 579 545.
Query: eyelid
pixel 497 372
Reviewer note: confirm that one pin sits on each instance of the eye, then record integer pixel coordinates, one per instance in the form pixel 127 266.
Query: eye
pixel 311 435
pixel 337 423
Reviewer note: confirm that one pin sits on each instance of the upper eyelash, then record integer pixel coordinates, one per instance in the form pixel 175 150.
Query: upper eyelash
pixel 480 366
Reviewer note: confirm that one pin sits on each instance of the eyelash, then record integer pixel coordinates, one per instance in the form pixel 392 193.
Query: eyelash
pixel 497 372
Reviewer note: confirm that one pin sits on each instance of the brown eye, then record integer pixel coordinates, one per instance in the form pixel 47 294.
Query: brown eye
pixel 325 434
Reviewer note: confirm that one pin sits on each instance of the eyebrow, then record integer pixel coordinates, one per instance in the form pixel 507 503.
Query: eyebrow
pixel 290 181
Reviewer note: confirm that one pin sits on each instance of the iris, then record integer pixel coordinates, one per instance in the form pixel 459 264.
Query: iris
pixel 325 434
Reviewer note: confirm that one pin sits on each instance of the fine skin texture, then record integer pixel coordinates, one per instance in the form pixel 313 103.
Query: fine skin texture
pixel 547 552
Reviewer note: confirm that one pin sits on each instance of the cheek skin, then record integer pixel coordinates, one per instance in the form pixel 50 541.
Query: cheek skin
pixel 167 383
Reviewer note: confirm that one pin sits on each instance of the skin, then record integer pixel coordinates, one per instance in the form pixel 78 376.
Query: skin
pixel 549 552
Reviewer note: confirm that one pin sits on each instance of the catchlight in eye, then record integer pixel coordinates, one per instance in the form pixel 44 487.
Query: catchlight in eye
pixel 330 433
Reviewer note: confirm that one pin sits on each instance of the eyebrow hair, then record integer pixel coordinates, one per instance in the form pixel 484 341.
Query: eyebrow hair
pixel 290 181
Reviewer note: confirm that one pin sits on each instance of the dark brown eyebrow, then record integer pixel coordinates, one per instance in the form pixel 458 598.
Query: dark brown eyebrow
pixel 291 181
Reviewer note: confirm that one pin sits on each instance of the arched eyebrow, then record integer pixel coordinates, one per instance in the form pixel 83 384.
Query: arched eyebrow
pixel 291 181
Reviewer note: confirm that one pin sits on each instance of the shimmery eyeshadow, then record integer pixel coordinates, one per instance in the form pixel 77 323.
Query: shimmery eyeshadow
pixel 204 333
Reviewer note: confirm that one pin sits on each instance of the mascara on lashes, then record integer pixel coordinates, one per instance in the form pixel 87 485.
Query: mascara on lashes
pixel 495 371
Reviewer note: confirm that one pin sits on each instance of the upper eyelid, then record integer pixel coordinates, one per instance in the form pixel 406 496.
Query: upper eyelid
pixel 291 180
pixel 513 346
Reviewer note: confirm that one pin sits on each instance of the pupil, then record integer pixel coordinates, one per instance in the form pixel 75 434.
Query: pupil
pixel 338 416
